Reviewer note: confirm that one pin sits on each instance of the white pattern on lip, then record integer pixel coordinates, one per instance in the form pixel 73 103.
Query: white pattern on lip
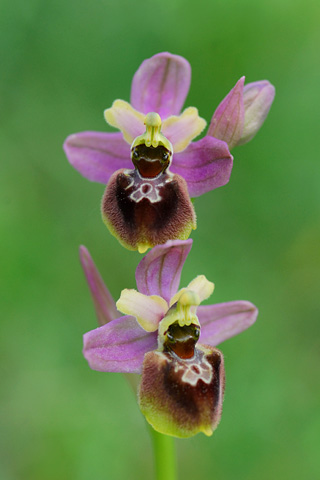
pixel 149 189
pixel 194 369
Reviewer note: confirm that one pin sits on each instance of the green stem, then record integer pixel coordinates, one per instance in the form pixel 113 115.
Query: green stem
pixel 164 454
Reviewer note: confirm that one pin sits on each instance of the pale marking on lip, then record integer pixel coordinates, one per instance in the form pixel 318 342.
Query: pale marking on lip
pixel 194 369
pixel 152 191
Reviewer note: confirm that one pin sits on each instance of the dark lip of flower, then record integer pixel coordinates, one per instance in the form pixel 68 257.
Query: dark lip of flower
pixel 134 208
pixel 183 397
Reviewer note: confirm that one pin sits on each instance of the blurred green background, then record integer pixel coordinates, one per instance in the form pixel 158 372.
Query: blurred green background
pixel 62 63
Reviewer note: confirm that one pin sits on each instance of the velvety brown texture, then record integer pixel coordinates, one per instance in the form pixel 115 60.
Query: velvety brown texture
pixel 173 405
pixel 168 215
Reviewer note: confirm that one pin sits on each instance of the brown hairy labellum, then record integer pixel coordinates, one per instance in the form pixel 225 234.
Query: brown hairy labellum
pixel 182 397
pixel 143 212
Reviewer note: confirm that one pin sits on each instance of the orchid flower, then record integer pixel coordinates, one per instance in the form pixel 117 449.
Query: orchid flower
pixel 149 204
pixel 166 336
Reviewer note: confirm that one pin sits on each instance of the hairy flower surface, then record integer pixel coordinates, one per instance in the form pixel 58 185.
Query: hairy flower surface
pixel 168 337
pixel 153 167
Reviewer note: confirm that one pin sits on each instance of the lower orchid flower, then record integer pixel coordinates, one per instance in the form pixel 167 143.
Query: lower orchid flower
pixel 168 337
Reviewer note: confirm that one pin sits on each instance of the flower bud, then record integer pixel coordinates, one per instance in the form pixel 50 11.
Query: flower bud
pixel 242 112
pixel 257 99
pixel 228 119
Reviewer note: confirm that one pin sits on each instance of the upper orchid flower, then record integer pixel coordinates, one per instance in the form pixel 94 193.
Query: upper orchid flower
pixel 182 384
pixel 150 203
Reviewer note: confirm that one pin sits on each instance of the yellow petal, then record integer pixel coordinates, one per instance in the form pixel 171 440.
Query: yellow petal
pixel 147 310
pixel 124 117
pixel 202 287
pixel 182 129
pixel 199 285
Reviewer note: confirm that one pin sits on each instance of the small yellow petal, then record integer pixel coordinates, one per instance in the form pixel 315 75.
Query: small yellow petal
pixel 202 287
pixel 124 117
pixel 182 129
pixel 199 285
pixel 176 297
pixel 148 310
